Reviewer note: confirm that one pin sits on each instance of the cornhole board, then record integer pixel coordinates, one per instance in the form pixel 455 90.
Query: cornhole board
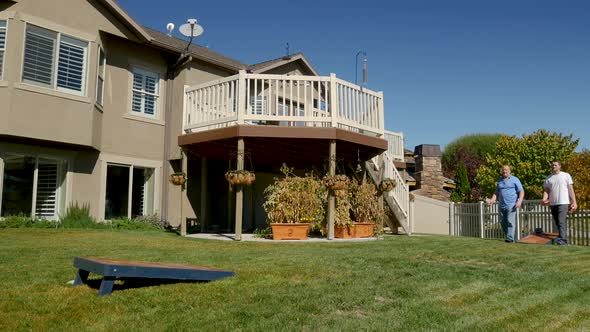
pixel 111 269
pixel 539 238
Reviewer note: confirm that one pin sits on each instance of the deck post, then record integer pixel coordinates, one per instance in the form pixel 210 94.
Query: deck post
pixel 241 96
pixel 184 169
pixel 331 197
pixel 381 162
pixel 203 192
pixel 333 102
pixel 239 191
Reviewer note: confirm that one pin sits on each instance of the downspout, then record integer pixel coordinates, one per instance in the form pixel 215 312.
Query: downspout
pixel 170 74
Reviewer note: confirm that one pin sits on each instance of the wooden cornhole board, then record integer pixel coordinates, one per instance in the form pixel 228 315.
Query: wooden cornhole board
pixel 539 238
pixel 111 269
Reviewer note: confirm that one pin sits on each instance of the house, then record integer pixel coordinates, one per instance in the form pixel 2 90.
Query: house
pixel 96 108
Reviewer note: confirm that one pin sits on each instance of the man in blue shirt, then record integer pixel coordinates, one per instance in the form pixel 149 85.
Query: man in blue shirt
pixel 509 193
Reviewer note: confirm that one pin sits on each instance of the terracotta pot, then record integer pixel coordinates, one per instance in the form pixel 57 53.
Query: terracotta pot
pixel 289 231
pixel 343 232
pixel 364 229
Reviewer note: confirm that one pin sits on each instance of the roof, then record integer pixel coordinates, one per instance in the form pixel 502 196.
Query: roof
pixel 176 44
pixel 270 64
pixel 162 40
pixel 121 14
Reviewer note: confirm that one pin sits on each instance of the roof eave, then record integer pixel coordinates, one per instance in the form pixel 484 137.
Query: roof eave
pixel 128 20
pixel 195 56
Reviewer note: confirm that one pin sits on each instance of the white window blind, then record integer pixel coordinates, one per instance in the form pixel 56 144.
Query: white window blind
pixel 47 188
pixel 145 92
pixel 62 68
pixel 258 105
pixel 70 69
pixel 2 45
pixel 39 52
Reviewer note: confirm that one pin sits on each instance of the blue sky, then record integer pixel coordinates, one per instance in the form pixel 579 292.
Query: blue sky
pixel 447 68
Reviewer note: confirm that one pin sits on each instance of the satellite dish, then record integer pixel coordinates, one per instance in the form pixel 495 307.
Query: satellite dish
pixel 170 27
pixel 191 29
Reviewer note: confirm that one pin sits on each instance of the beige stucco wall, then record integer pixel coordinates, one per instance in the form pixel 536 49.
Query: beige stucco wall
pixel 30 110
pixel 106 133
pixel 430 216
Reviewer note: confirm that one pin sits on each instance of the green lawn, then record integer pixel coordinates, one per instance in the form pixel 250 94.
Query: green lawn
pixel 400 283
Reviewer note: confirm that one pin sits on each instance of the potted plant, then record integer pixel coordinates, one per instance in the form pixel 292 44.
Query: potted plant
pixel 336 182
pixel 177 178
pixel 340 184
pixel 292 204
pixel 240 177
pixel 388 184
pixel 365 208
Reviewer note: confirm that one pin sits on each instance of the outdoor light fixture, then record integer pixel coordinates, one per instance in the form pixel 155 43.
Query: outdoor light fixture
pixel 364 67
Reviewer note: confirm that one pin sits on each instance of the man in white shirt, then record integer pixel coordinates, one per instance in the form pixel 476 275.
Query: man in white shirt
pixel 559 194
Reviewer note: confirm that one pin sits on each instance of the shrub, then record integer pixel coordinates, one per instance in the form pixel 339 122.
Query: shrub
pixel 365 203
pixel 78 216
pixel 148 222
pixel 22 221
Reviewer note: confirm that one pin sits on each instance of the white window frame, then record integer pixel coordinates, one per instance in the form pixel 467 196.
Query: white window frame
pixel 259 105
pixel 101 75
pixel 61 178
pixel 110 159
pixel 3 49
pixel 146 72
pixel 66 39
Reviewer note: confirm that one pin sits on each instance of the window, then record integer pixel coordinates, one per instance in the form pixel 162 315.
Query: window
pixel 258 105
pixel 33 186
pixel 54 60
pixel 2 45
pixel 101 76
pixel 145 92
pixel 124 182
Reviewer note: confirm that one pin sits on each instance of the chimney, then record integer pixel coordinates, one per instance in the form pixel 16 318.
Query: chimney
pixel 428 173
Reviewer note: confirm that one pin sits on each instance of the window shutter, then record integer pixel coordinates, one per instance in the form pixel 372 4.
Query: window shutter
pixel 70 70
pixel 2 44
pixel 137 87
pixel 47 186
pixel 39 55
pixel 145 92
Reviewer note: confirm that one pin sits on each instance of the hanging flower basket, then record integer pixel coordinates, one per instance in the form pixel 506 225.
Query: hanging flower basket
pixel 240 177
pixel 336 182
pixel 178 178
pixel 387 184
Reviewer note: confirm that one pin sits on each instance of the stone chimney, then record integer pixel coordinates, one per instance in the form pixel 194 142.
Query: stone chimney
pixel 428 172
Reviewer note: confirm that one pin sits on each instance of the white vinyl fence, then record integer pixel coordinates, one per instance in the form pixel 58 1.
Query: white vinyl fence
pixel 481 220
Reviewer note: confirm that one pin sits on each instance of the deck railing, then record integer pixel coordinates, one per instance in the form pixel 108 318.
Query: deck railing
pixel 395 145
pixel 480 220
pixel 283 100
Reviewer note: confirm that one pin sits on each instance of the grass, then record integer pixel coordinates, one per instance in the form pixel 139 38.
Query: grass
pixel 419 283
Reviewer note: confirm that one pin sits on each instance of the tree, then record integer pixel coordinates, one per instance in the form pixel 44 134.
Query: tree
pixel 471 150
pixel 579 167
pixel 463 190
pixel 529 158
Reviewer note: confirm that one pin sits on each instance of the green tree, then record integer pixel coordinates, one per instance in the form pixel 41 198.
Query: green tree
pixel 579 167
pixel 529 157
pixel 463 190
pixel 471 150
